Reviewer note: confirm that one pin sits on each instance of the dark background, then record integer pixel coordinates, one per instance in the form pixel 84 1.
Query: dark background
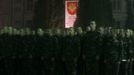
pixel 50 13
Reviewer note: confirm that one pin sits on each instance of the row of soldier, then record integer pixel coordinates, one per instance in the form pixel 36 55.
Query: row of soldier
pixel 72 51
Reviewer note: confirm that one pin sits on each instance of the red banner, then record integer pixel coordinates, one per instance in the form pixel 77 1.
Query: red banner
pixel 72 8
pixel 70 13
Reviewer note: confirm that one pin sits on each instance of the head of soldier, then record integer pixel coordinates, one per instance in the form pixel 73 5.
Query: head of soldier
pixel 58 32
pixel 22 32
pixel 117 31
pixel 122 33
pixel 67 32
pixel 50 32
pixel 79 30
pixel 64 33
pixel 33 32
pixel 101 30
pixel 18 32
pixel 128 33
pixel 14 31
pixel 114 34
pixel 88 28
pixel 40 32
pixel 10 30
pixel 28 31
pixel 1 31
pixel 109 29
pixel 5 29
pixel 72 32
pixel 93 25
pixel 131 33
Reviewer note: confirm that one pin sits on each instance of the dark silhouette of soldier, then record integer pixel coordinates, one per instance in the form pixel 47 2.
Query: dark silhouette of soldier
pixel 90 50
pixel 71 51
pixel 59 43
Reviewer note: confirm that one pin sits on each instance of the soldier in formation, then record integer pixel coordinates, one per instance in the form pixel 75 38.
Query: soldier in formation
pixel 67 51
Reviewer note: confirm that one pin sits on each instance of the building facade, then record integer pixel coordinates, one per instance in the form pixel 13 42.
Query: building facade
pixel 119 8
pixel 16 13
pixel 19 13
